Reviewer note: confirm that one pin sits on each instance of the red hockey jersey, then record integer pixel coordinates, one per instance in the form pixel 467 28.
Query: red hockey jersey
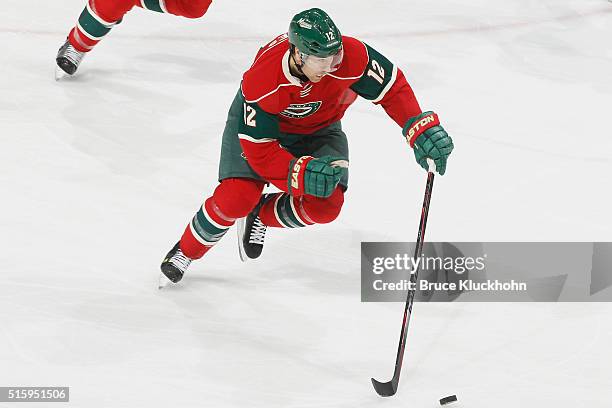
pixel 276 102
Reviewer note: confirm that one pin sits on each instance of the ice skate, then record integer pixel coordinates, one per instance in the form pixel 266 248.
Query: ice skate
pixel 173 267
pixel 68 60
pixel 251 233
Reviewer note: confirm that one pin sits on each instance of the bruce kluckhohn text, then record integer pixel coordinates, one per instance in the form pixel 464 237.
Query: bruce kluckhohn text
pixel 466 285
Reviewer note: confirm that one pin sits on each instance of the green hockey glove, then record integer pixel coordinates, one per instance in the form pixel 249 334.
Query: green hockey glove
pixel 429 140
pixel 315 176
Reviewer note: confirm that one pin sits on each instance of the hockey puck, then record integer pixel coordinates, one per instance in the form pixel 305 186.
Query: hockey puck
pixel 448 400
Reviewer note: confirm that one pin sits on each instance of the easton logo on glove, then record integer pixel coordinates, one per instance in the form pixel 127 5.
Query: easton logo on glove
pixel 295 172
pixel 420 126
pixel 318 177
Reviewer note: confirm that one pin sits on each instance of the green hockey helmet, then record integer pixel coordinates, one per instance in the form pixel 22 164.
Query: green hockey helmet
pixel 317 39
pixel 314 33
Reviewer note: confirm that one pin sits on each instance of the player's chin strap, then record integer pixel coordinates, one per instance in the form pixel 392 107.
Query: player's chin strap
pixel 302 75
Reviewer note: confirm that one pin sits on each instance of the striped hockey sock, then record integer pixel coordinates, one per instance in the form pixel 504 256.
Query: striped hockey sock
pixel 284 211
pixel 206 228
pixel 89 30
pixel 154 5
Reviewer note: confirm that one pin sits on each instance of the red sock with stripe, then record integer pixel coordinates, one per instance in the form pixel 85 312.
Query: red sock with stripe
pixel 96 20
pixel 281 210
pixel 206 228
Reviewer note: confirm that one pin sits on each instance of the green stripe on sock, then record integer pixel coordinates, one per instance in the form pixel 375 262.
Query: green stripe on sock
pixel 208 226
pixel 153 5
pixel 286 212
pixel 92 26
pixel 204 232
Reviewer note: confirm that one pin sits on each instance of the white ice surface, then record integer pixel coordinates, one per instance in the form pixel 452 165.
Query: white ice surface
pixel 100 174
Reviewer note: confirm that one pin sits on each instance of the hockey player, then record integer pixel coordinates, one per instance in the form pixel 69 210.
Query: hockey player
pixel 284 128
pixel 100 16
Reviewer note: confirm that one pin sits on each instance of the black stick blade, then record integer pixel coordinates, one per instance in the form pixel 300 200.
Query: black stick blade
pixel 384 389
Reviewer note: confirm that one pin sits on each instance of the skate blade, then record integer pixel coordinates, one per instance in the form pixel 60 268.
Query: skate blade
pixel 61 74
pixel 164 282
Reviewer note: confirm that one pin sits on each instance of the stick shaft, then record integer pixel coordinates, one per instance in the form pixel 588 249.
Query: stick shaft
pixel 413 278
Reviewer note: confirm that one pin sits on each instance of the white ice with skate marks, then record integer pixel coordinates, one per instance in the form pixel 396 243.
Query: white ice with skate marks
pixel 101 174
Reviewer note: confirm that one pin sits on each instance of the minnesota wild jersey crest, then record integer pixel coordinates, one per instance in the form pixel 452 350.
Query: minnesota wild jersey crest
pixel 301 110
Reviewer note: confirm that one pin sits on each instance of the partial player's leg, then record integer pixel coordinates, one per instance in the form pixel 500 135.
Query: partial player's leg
pixel 94 23
pixel 233 198
pixel 100 16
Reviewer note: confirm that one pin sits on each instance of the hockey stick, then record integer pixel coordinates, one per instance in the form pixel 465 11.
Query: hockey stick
pixel 389 388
